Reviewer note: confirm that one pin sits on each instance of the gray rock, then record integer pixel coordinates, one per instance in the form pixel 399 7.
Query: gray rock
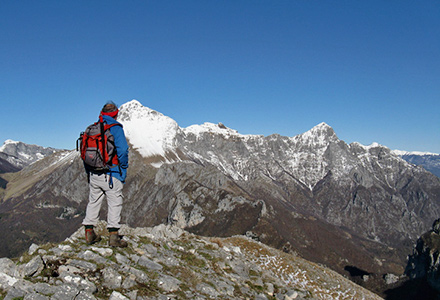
pixel 169 261
pixel 57 252
pixel 89 255
pixel 8 267
pixel 240 268
pixel 134 258
pixel 78 282
pixel 122 259
pixel 65 248
pixel 44 288
pixel 32 249
pixel 68 269
pixel 224 287
pixel 21 286
pixel 140 276
pixel 117 296
pixel 150 249
pixel 169 284
pixel 65 292
pixel 33 267
pixel 163 231
pixel 112 279
pixel 132 295
pixel 207 290
pixel 50 258
pixel 35 296
pixel 83 295
pixel 42 252
pixel 129 282
pixel 162 297
pixel 14 293
pixel 86 266
pixel 290 295
pixel 103 251
pixel 147 263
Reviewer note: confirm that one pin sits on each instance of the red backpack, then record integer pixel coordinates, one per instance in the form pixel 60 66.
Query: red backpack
pixel 97 146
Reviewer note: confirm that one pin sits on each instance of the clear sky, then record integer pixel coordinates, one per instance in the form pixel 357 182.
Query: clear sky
pixel 370 69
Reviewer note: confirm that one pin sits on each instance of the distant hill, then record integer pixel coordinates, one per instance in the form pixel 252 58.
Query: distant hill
pixel 430 161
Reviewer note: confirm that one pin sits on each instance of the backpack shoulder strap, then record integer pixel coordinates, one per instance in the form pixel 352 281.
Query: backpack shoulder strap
pixel 107 126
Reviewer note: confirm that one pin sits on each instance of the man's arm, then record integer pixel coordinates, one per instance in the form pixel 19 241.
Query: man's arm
pixel 121 145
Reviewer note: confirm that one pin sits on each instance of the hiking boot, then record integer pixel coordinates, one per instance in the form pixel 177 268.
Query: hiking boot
pixel 116 240
pixel 91 236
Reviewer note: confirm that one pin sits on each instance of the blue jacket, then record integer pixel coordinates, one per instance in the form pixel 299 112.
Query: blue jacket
pixel 119 171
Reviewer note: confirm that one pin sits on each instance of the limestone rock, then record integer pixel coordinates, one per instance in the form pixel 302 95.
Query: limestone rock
pixel 171 264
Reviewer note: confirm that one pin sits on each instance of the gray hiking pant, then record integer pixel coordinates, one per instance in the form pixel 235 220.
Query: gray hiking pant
pixel 99 187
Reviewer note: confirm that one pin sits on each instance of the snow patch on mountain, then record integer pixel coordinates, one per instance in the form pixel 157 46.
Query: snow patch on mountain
pixel 6 143
pixel 211 128
pixel 368 147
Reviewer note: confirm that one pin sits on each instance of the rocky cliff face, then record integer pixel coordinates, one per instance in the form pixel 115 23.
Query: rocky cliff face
pixel 424 263
pixel 346 206
pixel 166 262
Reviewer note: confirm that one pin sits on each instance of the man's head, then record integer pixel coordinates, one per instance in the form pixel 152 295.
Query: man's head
pixel 110 109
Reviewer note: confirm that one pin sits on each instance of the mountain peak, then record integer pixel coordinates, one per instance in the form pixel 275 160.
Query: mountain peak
pixel 323 128
pixel 135 110
pixel 150 132
pixel 320 135
pixel 6 143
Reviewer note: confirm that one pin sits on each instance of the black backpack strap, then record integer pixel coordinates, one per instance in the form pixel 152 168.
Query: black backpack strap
pixel 103 148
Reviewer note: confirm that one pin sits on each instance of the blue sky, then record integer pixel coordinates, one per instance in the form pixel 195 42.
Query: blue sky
pixel 370 69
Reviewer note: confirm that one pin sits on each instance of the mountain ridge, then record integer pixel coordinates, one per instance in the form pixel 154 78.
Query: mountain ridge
pixel 20 154
pixel 346 206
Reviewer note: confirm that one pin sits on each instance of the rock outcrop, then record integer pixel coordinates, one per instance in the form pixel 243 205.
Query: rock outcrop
pixel 166 262
pixel 424 264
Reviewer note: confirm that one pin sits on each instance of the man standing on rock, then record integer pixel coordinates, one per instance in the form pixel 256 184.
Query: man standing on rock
pixel 108 181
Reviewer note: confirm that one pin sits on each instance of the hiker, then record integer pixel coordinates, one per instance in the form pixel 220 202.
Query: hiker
pixel 107 182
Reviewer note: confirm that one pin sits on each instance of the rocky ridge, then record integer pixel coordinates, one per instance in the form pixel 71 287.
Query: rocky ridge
pixel 20 154
pixel 166 262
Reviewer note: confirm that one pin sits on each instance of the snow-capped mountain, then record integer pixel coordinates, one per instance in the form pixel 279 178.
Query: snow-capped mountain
pixel 342 205
pixel 307 157
pixel 150 132
pixel 20 154
pixel 306 160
